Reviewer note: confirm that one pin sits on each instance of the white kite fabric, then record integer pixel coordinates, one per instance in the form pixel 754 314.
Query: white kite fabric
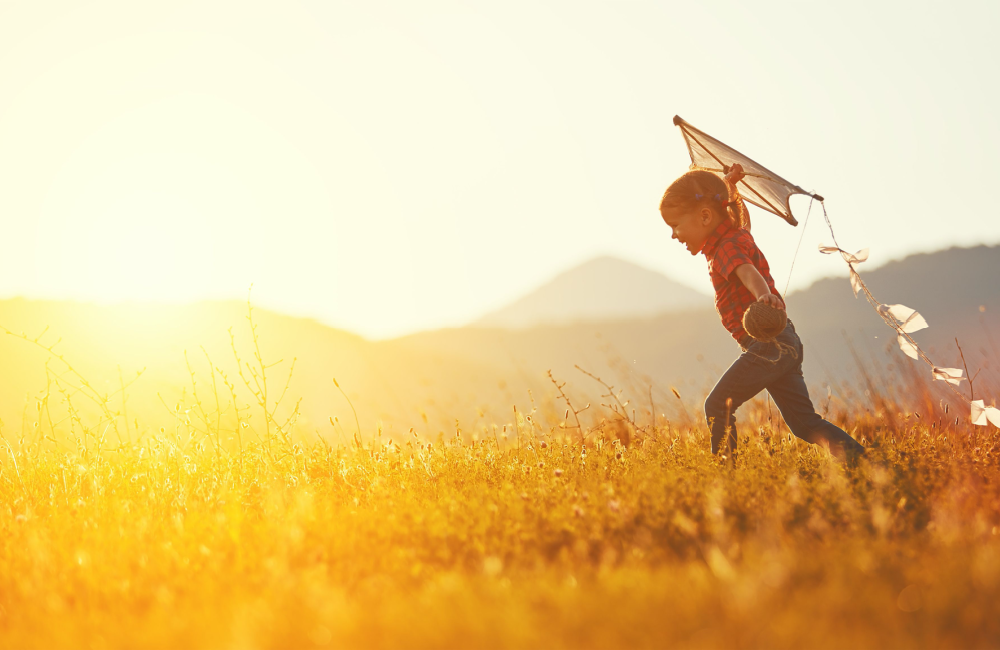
pixel 761 186
pixel 771 192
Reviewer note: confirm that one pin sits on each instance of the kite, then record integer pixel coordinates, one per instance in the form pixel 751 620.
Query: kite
pixel 771 192
pixel 767 190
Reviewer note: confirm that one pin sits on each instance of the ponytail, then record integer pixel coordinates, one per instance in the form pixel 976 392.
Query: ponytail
pixel 736 210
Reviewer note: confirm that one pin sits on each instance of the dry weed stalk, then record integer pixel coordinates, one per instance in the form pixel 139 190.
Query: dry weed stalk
pixel 569 405
pixel 357 435
pixel 259 389
pixel 618 407
pixel 71 382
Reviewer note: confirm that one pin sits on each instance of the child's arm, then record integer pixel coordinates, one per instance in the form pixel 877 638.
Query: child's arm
pixel 754 281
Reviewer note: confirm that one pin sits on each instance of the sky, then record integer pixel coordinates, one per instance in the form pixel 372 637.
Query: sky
pixel 390 167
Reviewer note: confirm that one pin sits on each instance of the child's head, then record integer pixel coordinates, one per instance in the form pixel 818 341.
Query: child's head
pixel 695 204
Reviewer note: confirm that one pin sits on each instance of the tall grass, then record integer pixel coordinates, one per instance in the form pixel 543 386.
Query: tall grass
pixel 228 526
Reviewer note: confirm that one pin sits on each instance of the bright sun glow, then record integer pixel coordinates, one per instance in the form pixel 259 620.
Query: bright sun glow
pixel 392 167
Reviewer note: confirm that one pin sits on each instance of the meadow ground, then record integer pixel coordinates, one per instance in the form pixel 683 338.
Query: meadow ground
pixel 230 527
pixel 530 541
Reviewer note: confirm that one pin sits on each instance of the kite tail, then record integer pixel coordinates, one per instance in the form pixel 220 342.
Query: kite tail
pixel 904 321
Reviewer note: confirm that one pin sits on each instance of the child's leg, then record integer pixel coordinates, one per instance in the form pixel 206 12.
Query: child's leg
pixel 755 370
pixel 792 399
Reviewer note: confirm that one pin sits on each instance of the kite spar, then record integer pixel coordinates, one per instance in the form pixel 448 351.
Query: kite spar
pixel 767 190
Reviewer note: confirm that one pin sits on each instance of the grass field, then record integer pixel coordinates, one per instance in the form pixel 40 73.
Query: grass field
pixel 228 527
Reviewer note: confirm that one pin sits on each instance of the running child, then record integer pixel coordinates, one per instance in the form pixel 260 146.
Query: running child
pixel 707 215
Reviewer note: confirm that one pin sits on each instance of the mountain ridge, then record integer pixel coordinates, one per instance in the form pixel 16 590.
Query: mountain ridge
pixel 474 375
pixel 600 288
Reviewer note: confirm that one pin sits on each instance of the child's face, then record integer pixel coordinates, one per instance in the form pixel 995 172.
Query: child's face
pixel 692 228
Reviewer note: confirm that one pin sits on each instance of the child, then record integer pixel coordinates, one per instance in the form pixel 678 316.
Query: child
pixel 707 215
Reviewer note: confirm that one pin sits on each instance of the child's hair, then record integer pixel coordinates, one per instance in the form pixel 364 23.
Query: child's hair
pixel 699 188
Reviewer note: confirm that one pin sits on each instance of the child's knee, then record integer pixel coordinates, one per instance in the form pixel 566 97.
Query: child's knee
pixel 718 406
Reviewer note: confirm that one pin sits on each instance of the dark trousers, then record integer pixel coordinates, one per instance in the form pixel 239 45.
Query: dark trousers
pixel 777 367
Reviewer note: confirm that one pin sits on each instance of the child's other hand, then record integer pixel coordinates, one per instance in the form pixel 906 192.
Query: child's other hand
pixel 771 300
pixel 735 174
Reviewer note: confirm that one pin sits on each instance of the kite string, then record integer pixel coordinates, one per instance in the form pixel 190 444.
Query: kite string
pixel 805 224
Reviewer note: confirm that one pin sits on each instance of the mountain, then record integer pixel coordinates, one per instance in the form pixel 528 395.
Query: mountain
pixel 600 289
pixel 109 344
pixel 955 289
pixel 472 377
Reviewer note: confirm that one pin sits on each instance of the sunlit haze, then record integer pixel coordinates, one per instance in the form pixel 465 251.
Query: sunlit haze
pixel 392 167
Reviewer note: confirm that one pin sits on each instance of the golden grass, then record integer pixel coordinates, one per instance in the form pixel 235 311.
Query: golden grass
pixel 212 533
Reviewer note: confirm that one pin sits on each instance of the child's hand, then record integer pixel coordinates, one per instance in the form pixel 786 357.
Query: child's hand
pixel 735 174
pixel 771 300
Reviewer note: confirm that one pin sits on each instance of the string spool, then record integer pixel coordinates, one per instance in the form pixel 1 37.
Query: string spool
pixel 764 322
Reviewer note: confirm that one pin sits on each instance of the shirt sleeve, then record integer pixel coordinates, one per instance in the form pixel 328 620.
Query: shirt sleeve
pixel 729 256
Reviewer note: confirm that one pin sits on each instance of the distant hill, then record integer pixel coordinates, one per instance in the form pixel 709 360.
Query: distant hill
pixel 600 289
pixel 472 376
pixel 388 386
pixel 955 289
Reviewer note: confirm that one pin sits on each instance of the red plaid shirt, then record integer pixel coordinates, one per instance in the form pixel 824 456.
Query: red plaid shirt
pixel 725 249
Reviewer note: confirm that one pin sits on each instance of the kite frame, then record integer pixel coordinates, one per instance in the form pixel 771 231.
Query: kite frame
pixel 758 200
